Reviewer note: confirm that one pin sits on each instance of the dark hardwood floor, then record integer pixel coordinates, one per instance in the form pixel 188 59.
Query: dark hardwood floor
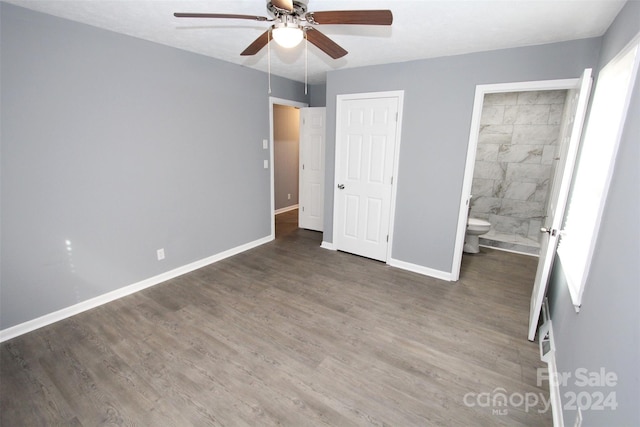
pixel 289 334
pixel 286 223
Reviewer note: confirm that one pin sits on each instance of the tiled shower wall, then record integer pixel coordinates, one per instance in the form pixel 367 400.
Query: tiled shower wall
pixel 517 144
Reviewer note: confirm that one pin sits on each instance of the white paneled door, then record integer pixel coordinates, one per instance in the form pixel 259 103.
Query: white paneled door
pixel 312 141
pixel 365 153
pixel 571 132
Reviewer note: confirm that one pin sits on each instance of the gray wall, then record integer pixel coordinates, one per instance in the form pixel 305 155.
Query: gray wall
pixel 438 104
pixel 286 154
pixel 318 95
pixel 606 332
pixel 119 147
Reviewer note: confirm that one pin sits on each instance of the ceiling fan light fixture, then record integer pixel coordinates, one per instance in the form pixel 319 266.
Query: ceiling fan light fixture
pixel 287 34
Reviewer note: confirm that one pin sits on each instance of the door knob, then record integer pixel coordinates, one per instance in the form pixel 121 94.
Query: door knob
pixel 341 186
pixel 551 231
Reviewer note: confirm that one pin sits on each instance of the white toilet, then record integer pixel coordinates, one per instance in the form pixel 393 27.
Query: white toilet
pixel 475 228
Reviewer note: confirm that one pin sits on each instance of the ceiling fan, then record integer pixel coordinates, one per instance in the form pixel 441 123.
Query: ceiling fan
pixel 291 22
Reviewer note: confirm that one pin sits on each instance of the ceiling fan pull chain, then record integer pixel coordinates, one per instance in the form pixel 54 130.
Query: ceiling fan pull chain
pixel 306 61
pixel 269 58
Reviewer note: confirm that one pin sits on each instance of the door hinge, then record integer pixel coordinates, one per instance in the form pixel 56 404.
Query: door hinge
pixel 387 238
pixel 303 166
pixel 396 116
pixel 391 180
pixel 303 209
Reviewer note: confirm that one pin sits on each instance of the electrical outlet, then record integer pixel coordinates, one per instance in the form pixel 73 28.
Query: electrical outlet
pixel 160 253
pixel 289 196
pixel 266 164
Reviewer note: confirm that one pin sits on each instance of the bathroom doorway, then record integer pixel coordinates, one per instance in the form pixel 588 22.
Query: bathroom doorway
pixel 514 214
pixel 518 143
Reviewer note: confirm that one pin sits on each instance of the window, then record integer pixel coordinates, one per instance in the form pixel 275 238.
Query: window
pixel 595 168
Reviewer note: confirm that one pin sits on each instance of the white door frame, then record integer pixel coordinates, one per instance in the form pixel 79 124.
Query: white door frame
pixel 290 103
pixel 399 94
pixel 474 133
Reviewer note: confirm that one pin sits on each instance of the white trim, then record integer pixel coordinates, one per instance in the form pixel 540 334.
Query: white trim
pixel 474 133
pixel 425 271
pixel 510 250
pixel 280 101
pixel 467 181
pixel 286 209
pixel 47 319
pixel 554 391
pixel 399 94
pixel 552 368
pixel 396 171
pixel 327 245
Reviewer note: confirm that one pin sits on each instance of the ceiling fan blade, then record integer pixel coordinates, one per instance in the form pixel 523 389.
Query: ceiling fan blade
pixel 257 44
pixel 355 17
pixel 220 15
pixel 283 4
pixel 325 44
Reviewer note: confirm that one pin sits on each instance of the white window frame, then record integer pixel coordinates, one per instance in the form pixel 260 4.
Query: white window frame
pixel 586 204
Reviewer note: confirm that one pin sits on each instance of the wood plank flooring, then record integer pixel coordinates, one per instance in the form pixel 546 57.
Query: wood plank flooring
pixel 289 334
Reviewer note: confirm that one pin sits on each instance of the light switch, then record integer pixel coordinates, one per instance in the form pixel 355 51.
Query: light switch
pixel 266 164
pixel 265 144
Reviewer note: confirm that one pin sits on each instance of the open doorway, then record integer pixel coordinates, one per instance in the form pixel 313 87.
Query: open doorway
pixel 286 156
pixel 555 88
pixel 284 153
pixel 518 146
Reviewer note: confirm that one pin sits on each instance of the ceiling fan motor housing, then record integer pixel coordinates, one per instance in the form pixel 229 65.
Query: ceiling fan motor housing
pixel 288 21
pixel 299 9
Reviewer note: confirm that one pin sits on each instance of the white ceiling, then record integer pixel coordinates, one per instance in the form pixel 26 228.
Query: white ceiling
pixel 421 29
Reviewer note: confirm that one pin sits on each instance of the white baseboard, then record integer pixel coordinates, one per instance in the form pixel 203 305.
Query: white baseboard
pixel 286 209
pixel 438 274
pixel 327 245
pixel 548 355
pixel 554 392
pixel 443 275
pixel 47 319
